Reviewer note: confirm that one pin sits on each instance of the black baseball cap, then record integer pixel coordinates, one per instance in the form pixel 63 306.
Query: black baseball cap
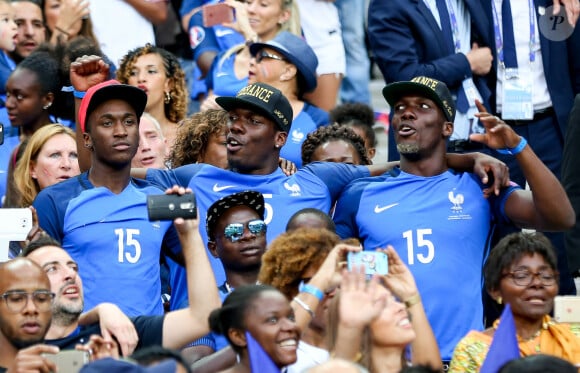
pixel 430 88
pixel 249 198
pixel 263 99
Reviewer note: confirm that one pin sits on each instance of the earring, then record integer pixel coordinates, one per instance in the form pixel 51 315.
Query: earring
pixel 499 300
pixel 47 106
pixel 88 146
pixel 167 97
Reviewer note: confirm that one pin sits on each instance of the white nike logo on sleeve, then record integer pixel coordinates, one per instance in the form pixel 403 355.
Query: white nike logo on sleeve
pixel 378 209
pixel 217 188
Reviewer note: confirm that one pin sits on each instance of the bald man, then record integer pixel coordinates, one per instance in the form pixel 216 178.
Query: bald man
pixel 24 317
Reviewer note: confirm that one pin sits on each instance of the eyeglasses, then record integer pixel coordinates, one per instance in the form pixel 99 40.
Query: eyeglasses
pixel 17 300
pixel 235 231
pixel 525 277
pixel 263 54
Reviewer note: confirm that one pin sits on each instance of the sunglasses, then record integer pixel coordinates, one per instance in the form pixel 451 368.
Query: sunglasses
pixel 263 54
pixel 235 231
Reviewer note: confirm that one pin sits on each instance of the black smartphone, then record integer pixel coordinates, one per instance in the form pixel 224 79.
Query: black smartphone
pixel 1 134
pixel 171 206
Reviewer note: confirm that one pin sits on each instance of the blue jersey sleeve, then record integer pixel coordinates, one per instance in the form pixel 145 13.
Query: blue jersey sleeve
pixel 51 211
pixel 178 176
pixel 336 176
pixel 319 116
pixel 498 203
pixel 201 39
pixel 346 210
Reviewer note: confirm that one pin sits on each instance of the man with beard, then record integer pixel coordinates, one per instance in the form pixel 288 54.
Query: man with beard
pixel 24 316
pixel 438 219
pixel 167 330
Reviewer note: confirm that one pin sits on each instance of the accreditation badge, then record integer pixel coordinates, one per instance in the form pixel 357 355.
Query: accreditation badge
pixel 471 92
pixel 517 94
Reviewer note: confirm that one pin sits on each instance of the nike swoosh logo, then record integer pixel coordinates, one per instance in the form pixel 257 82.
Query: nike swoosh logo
pixel 217 188
pixel 378 209
pixel 220 33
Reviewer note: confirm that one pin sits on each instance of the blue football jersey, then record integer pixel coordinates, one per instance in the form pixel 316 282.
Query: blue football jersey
pixel 317 185
pixel 109 235
pixel 440 226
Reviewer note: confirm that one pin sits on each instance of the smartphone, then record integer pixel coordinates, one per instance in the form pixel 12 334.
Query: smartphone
pixel 375 262
pixel 216 14
pixel 15 224
pixel 69 361
pixel 1 134
pixel 171 206
pixel 567 309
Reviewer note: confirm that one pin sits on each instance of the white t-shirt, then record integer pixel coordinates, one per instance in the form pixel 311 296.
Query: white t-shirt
pixel 119 28
pixel 308 356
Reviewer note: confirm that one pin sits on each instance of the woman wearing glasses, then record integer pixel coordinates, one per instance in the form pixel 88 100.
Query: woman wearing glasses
pixel 522 271
pixel 289 64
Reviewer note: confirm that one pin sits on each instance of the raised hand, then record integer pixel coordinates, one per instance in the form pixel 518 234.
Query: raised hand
pixel 88 71
pixel 498 135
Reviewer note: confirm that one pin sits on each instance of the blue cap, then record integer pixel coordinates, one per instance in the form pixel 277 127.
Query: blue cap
pixel 297 52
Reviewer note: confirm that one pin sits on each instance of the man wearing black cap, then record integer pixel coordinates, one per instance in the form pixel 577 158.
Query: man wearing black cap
pixel 237 236
pixel 100 217
pixel 438 219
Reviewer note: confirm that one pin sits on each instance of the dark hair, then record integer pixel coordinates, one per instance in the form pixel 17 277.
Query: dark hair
pixel 510 249
pixel 539 364
pixel 42 241
pixel 324 217
pixel 232 313
pixel 44 64
pixel 155 354
pixel 331 133
pixel 356 115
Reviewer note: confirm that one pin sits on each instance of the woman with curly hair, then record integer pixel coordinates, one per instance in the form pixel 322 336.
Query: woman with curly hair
pixel 201 138
pixel 159 74
pixel 334 143
pixel 361 118
pixel 292 259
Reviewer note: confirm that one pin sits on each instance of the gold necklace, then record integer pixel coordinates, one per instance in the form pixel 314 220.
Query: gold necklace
pixel 535 339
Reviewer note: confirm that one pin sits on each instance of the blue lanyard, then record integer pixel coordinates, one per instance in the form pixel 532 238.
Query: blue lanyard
pixel 453 20
pixel 498 38
pixel 454 26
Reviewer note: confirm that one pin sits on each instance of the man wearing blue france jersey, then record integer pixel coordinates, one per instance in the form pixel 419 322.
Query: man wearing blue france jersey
pixel 437 218
pixel 260 118
pixel 100 217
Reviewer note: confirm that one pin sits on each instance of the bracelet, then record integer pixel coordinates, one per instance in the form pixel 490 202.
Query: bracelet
pixel 62 31
pixel 304 305
pixel 79 94
pixel 312 290
pixel 410 302
pixel 514 151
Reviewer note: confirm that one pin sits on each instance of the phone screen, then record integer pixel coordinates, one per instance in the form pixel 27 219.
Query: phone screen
pixel 216 14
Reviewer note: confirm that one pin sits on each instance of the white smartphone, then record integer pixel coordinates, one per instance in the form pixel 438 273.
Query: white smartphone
pixel 567 309
pixel 69 361
pixel 15 224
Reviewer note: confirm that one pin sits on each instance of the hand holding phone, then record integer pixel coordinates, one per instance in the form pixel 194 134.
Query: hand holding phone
pixel 216 14
pixel 375 262
pixel 171 206
pixel 69 361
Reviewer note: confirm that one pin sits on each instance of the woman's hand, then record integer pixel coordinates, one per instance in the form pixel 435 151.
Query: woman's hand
pixel 242 22
pixel 399 279
pixel 360 303
pixel 114 323
pixel 288 167
pixel 332 265
pixel 71 12
pixel 99 348
pixel 209 103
